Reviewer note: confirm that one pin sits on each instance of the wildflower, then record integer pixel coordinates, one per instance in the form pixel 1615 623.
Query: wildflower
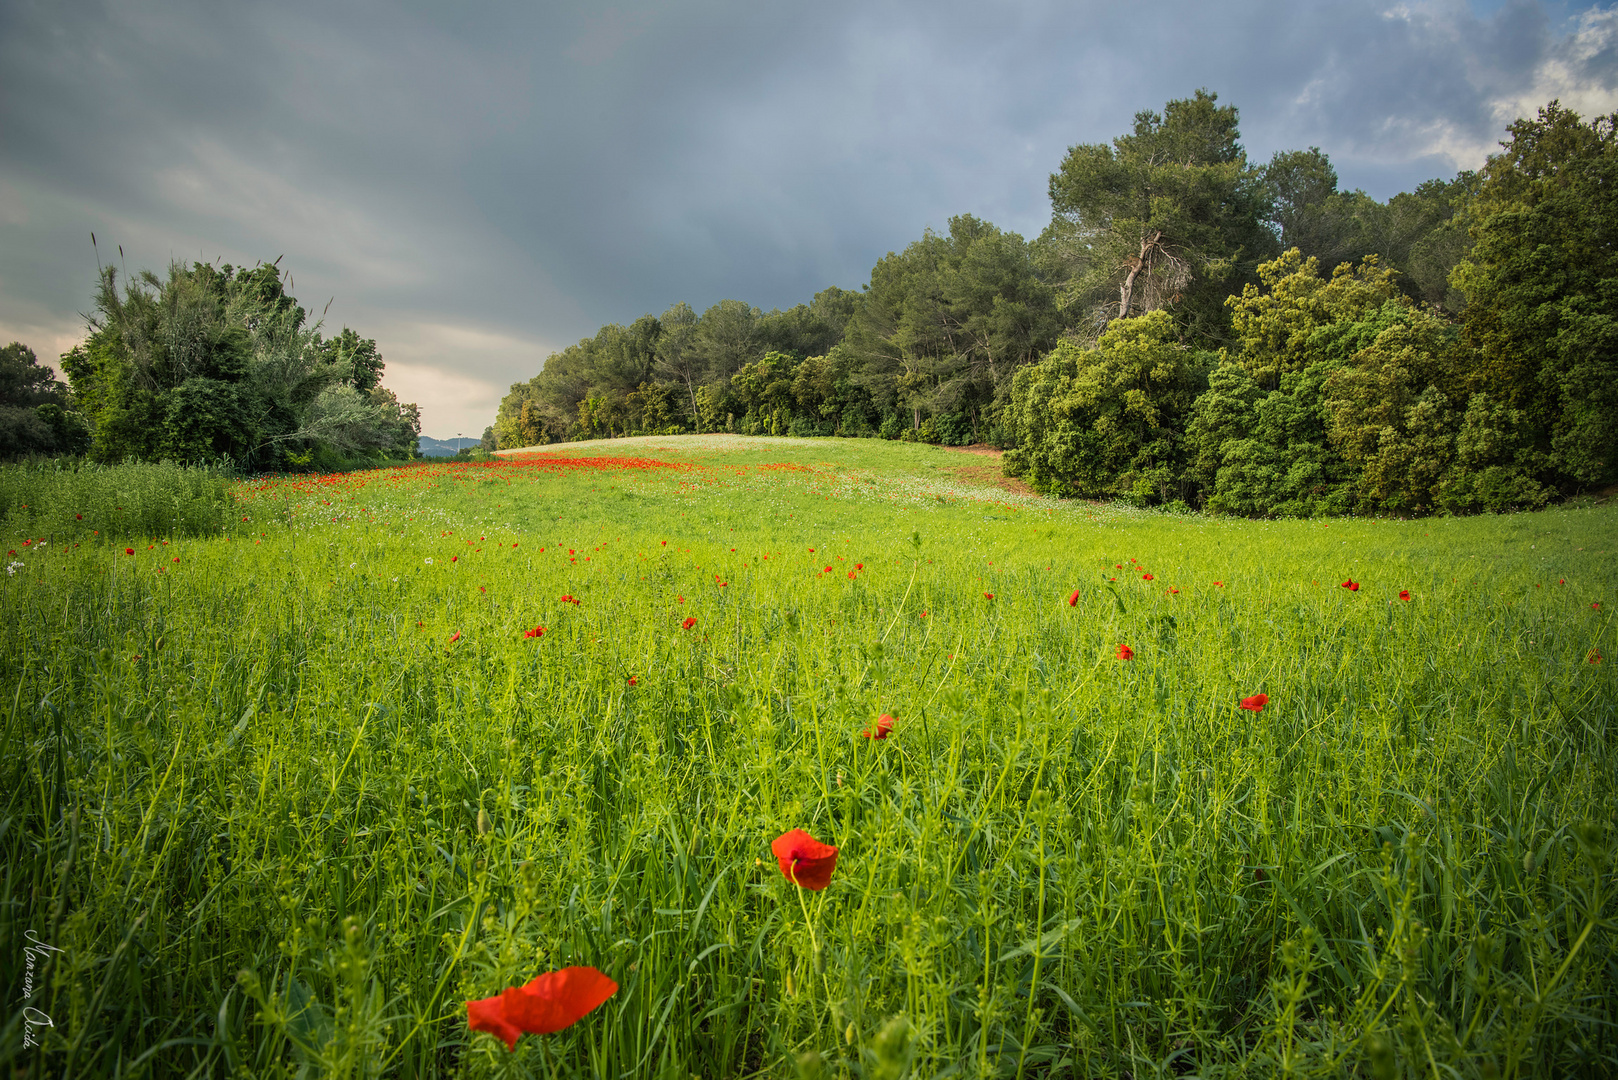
pixel 1146 577
pixel 176 558
pixel 428 560
pixel 857 566
pixel 1404 594
pixel 804 861
pixel 1073 601
pixel 551 1002
pixel 352 565
pixel 454 637
pixel 1172 592
pixel 1125 652
pixel 1596 606
pixel 632 681
pixel 690 621
pixel 851 575
pixel 127 551
pixel 1351 585
pixel 1219 584
pixel 536 632
pixel 988 596
pixel 884 725
pixel 12 567
pixel 454 558
pixel 1594 656
pixel 1255 703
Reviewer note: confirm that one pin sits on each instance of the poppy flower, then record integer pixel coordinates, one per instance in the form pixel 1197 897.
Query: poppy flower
pixel 633 681
pixel 176 558
pixel 1146 577
pixel 851 575
pixel 804 861
pixel 1173 592
pixel 536 632
pixel 127 551
pixel 1596 606
pixel 857 566
pixel 551 1002
pixel 1219 584
pixel 1255 703
pixel 454 558
pixel 1073 601
pixel 884 725
pixel 1594 656
pixel 988 596
pixel 1125 652
pixel 1351 585
pixel 454 638
pixel 690 621
pixel 1404 594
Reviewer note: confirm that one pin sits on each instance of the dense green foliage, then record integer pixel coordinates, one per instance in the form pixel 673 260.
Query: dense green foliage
pixel 36 414
pixel 1191 330
pixel 283 800
pixel 217 364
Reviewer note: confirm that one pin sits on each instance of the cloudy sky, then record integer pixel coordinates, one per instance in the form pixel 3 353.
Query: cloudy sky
pixel 475 185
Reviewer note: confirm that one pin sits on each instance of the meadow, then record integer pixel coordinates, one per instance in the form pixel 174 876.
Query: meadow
pixel 286 786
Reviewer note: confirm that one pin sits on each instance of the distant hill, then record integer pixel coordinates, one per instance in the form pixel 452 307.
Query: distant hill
pixel 431 447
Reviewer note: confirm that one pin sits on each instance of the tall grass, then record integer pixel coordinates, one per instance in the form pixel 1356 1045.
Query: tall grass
pixel 74 499
pixel 243 790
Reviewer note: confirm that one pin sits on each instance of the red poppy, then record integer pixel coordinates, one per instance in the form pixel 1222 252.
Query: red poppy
pixel 536 632
pixel 127 551
pixel 1173 592
pixel 1596 605
pixel 690 621
pixel 1594 656
pixel 1219 584
pixel 884 724
pixel 1073 601
pixel 827 570
pixel 1255 703
pixel 1125 652
pixel 176 558
pixel 1146 577
pixel 851 575
pixel 1404 594
pixel 78 517
pixel 632 681
pixel 988 596
pixel 665 543
pixel 1351 585
pixel 553 1001
pixel 804 861
pixel 455 637
pixel 857 566
pixel 924 615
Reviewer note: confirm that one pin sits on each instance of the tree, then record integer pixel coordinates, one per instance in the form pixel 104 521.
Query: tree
pixel 35 417
pixel 1168 214
pixel 1109 420
pixel 1541 288
pixel 214 362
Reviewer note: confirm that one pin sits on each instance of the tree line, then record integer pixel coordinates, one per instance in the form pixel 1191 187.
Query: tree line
pixel 211 363
pixel 1190 329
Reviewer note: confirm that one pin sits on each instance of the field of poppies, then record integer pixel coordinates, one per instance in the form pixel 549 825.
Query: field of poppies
pixel 702 757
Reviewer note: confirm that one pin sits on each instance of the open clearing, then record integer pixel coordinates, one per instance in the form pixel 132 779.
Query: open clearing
pixel 289 797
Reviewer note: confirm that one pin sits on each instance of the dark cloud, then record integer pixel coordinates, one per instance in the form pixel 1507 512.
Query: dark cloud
pixel 477 184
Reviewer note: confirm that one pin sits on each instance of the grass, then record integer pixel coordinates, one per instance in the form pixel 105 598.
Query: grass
pixel 271 819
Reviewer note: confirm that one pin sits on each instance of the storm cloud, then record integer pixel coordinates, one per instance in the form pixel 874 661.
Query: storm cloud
pixel 477 185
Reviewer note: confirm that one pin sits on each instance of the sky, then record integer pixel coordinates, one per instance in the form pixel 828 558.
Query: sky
pixel 477 185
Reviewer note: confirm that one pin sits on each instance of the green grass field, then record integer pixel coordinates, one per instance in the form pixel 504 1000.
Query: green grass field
pixel 280 800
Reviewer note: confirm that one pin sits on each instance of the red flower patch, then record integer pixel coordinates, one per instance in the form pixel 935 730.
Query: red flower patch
pixel 690 621
pixel 1351 585
pixel 1073 601
pixel 988 596
pixel 1255 703
pixel 551 1002
pixel 454 638
pixel 884 725
pixel 1404 594
pixel 536 632
pixel 1146 577
pixel 804 861
pixel 1125 652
